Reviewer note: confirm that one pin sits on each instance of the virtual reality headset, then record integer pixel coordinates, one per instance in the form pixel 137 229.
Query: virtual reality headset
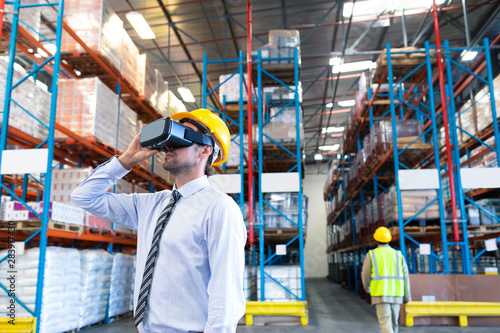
pixel 168 133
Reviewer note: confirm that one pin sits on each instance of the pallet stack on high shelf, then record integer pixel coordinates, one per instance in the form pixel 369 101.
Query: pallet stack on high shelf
pixel 379 183
pixel 90 67
pixel 275 262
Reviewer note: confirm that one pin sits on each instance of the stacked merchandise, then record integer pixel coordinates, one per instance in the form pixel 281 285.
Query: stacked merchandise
pixel 61 287
pixel 65 181
pixel 155 166
pixel 282 93
pixel 490 208
pixel 88 107
pixel 59 212
pixel 97 25
pixel 128 126
pixel 129 58
pixel 231 88
pixel 281 45
pixel 282 126
pixel 29 17
pixel 94 282
pixel 160 98
pixel 233 158
pixel 287 276
pixel 288 204
pixel 412 202
pixel 485 161
pixel 364 83
pixel 30 95
pixel 120 292
pixel 131 304
pixel 475 115
pixel 174 104
pixel 249 283
pixel 146 78
pixel 381 134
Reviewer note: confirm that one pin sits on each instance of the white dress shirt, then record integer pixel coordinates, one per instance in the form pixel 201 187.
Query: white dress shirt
pixel 198 279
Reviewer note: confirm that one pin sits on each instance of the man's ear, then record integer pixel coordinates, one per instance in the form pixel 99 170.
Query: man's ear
pixel 206 151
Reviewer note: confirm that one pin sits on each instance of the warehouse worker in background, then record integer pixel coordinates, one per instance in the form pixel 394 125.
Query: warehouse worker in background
pixel 198 261
pixel 385 278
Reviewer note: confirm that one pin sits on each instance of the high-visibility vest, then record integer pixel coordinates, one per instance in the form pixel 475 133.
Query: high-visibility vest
pixel 387 278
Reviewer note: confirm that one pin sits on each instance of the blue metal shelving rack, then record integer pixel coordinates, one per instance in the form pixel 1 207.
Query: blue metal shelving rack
pixel 238 122
pixel 425 112
pixel 10 86
pixel 266 257
pixel 297 156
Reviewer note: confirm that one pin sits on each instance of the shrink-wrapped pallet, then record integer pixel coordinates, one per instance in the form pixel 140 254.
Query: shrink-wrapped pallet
pixel 97 25
pixel 129 59
pixel 146 81
pixel 128 126
pixel 412 202
pixel 94 283
pixel 288 276
pixel 88 108
pixel 61 287
pixel 120 292
pixel 29 18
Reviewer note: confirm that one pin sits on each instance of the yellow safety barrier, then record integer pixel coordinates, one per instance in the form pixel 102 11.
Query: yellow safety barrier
pixel 298 309
pixel 23 325
pixel 451 309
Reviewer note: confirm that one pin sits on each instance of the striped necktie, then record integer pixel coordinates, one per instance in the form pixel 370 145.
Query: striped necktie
pixel 147 276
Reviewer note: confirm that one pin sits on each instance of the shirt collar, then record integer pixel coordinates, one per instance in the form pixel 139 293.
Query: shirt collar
pixel 192 187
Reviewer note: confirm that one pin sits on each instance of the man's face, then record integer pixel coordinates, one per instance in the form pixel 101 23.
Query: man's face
pixel 182 159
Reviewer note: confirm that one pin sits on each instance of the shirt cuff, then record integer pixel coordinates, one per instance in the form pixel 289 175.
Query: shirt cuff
pixel 114 168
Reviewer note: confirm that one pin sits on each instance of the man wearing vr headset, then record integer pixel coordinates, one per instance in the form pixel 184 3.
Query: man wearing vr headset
pixel 189 275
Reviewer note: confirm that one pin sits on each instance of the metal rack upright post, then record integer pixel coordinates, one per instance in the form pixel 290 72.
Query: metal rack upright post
pixel 10 86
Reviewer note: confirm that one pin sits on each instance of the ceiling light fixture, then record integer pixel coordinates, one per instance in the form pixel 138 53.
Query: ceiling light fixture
pixel 335 61
pixel 329 148
pixel 354 66
pixel 332 130
pixel 186 94
pixel 329 105
pixel 140 25
pixel 468 55
pixel 373 8
pixel 318 157
pixel 346 104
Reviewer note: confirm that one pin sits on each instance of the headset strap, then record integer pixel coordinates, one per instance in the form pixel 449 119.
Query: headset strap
pixel 194 136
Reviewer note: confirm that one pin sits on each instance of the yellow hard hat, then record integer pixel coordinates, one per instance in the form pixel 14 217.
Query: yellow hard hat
pixel 382 235
pixel 218 130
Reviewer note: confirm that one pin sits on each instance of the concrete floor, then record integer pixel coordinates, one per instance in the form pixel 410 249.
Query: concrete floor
pixel 331 309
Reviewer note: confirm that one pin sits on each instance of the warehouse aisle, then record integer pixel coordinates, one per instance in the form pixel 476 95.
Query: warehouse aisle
pixel 331 309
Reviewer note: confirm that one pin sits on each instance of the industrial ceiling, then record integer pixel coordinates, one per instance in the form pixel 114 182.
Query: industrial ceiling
pixel 186 29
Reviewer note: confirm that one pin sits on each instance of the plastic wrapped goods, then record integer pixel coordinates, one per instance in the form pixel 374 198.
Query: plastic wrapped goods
pixel 61 287
pixel 231 88
pixel 146 78
pixel 288 276
pixel 97 25
pixel 249 283
pixel 412 202
pixel 65 181
pixel 129 58
pixel 122 272
pixel 88 107
pixel 94 283
pixel 279 132
pixel 128 126
pixel 30 16
pixel 281 45
pixel 233 158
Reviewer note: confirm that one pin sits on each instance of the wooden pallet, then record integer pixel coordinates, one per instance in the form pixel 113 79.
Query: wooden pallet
pixel 402 64
pixel 37 224
pixel 484 229
pixel 97 231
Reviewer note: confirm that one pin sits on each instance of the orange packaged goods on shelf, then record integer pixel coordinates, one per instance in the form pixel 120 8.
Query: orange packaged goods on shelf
pixel 89 108
pixel 129 57
pixel 97 25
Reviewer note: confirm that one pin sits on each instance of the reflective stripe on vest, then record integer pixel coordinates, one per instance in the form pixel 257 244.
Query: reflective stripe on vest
pixel 387 278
